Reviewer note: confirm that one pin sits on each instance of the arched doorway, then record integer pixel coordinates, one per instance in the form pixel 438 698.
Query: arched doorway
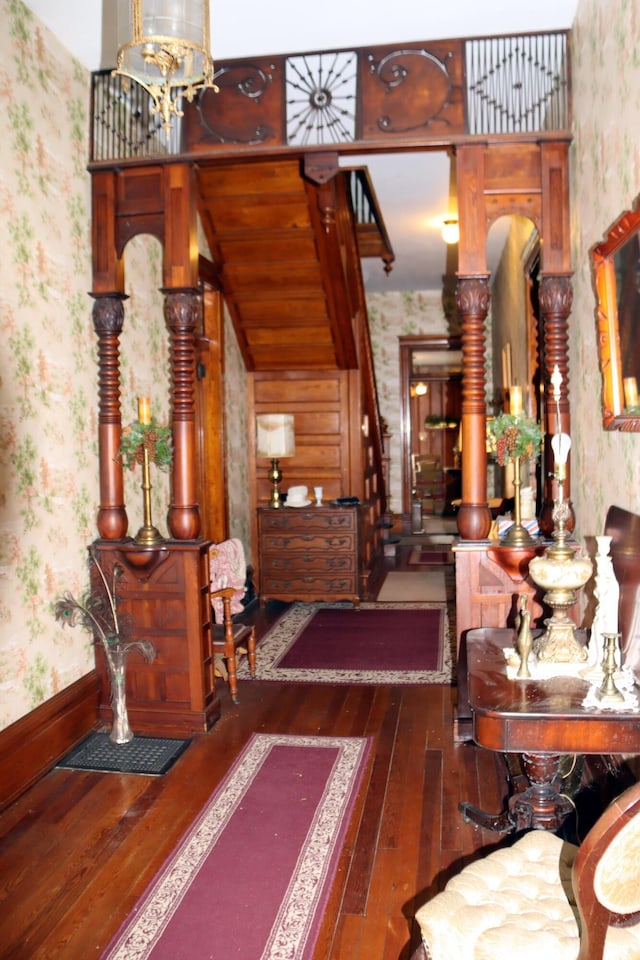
pixel 431 404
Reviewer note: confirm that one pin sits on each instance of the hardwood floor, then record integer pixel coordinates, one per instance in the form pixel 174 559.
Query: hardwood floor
pixel 79 848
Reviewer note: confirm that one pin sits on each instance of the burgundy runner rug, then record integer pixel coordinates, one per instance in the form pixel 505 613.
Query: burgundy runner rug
pixel 251 878
pixel 397 643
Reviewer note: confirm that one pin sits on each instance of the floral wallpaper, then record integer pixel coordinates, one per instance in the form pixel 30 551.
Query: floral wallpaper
pixel 605 180
pixel 48 371
pixel 48 448
pixel 236 431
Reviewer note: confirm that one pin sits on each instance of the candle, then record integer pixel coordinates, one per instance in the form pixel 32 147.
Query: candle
pixel 556 380
pixel 630 385
pixel 144 410
pixel 515 401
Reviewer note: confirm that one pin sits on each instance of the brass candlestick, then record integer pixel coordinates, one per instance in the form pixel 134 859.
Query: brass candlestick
pixel 608 693
pixel 148 535
pixel 275 476
pixel 517 535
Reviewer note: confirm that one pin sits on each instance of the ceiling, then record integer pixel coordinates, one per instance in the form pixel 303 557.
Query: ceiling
pixel 412 189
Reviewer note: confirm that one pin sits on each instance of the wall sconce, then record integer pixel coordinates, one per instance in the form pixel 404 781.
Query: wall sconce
pixel 418 389
pixel 450 231
pixel 275 439
pixel 166 51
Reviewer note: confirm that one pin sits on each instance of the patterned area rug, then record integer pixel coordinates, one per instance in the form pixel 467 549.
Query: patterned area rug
pixel 252 876
pixel 390 643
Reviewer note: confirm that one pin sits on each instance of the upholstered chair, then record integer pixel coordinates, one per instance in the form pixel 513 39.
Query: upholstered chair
pixel 229 639
pixel 544 899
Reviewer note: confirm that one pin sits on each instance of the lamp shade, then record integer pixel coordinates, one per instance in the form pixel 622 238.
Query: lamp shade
pixel 275 437
pixel 450 231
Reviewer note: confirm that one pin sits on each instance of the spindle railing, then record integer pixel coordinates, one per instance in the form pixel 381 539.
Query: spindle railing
pixel 378 98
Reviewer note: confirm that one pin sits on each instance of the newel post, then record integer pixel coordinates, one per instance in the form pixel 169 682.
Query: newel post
pixel 472 301
pixel 555 297
pixel 182 310
pixel 108 318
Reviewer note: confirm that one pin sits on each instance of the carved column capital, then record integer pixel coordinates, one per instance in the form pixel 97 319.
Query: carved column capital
pixel 555 294
pixel 108 313
pixel 473 296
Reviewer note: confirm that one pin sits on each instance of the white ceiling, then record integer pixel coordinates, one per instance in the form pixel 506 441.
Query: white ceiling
pixel 412 189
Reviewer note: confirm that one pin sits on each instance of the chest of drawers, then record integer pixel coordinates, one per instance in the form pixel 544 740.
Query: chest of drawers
pixel 309 553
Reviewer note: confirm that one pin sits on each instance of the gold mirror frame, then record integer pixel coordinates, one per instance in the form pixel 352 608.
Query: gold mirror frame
pixel 609 349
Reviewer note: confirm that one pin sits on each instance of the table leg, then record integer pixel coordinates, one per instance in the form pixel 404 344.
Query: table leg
pixel 540 806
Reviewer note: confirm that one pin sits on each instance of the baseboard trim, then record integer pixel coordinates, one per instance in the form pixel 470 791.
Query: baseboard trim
pixel 32 746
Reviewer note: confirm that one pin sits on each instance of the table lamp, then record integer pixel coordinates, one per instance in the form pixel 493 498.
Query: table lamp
pixel 275 439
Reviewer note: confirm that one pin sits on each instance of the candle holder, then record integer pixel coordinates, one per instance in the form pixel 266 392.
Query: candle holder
pixel 144 444
pixel 148 535
pixel 608 693
pixel 516 438
pixel 517 535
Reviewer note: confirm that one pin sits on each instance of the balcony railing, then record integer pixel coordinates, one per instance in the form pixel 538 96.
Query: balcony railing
pixel 376 98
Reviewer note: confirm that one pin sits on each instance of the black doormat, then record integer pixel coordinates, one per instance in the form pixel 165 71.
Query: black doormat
pixel 146 755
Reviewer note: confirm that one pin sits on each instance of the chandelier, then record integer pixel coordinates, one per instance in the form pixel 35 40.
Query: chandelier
pixel 164 45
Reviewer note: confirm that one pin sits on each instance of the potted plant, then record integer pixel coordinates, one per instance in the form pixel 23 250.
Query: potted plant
pixel 97 611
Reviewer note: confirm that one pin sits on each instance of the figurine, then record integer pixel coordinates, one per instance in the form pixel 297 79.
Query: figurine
pixel 525 639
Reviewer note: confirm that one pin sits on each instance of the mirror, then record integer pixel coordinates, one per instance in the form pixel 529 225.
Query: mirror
pixel 616 268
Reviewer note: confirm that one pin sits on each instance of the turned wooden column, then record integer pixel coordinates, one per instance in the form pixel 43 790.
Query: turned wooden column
pixel 182 310
pixel 108 317
pixel 555 299
pixel 472 301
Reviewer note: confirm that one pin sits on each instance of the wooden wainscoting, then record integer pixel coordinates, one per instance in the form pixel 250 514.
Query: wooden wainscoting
pixel 33 745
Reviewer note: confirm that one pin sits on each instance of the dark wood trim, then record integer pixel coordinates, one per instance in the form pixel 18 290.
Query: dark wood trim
pixel 31 746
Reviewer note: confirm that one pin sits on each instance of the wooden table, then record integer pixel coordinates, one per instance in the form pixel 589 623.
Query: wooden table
pixel 540 719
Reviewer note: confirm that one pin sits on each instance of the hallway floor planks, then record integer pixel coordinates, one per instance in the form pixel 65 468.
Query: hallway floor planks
pixel 79 848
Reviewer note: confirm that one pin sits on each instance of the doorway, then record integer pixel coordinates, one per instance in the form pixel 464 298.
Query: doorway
pixel 431 409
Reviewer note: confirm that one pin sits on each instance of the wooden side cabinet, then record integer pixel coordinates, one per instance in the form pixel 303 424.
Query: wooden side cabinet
pixel 489 581
pixel 165 590
pixel 309 553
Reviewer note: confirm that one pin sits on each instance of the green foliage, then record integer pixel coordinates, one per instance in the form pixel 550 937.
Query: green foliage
pixel 35 681
pixel 516 437
pixel 155 438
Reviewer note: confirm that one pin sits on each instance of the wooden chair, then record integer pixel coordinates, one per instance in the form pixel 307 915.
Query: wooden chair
pixel 226 578
pixel 230 639
pixel 542 897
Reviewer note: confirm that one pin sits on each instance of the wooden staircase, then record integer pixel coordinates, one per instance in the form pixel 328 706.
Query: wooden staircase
pixel 287 265
pixel 286 246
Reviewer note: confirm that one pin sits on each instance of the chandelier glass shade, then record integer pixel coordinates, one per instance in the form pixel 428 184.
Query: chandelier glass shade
pixel 164 45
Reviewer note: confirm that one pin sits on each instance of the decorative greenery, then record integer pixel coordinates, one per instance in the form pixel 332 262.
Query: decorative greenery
pixel 155 438
pixel 98 614
pixel 515 437
pixel 438 422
